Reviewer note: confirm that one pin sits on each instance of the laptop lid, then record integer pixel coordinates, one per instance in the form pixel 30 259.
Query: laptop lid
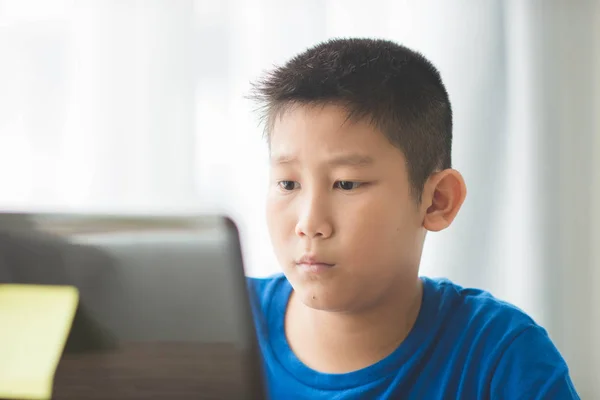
pixel 163 312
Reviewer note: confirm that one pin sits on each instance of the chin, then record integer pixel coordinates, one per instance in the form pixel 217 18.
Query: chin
pixel 320 303
pixel 320 292
pixel 320 299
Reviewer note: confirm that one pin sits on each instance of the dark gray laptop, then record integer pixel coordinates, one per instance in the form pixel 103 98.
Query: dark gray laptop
pixel 164 312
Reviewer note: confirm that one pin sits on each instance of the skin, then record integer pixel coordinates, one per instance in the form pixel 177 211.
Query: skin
pixel 340 197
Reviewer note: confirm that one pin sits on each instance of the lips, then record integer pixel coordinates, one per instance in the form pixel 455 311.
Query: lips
pixel 310 264
pixel 313 260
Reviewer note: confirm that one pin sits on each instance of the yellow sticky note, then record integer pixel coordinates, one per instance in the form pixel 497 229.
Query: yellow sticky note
pixel 35 322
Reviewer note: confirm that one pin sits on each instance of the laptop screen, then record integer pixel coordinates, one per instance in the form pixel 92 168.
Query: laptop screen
pixel 163 309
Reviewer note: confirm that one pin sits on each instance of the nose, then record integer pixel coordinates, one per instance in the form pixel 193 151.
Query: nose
pixel 314 219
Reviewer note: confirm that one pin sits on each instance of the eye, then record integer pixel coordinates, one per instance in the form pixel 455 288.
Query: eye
pixel 288 185
pixel 347 185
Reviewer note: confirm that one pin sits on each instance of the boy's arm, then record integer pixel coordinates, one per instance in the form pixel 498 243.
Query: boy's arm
pixel 532 368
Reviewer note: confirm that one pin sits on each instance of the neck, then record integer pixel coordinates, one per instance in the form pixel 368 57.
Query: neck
pixel 338 342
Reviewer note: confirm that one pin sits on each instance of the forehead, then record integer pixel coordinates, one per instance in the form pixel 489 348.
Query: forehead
pixel 326 130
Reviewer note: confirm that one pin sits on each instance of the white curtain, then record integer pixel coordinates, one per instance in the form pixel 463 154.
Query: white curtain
pixel 138 106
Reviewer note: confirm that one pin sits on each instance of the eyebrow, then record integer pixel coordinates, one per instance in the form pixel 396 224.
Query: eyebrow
pixel 352 160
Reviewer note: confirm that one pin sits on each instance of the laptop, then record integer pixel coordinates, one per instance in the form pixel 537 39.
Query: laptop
pixel 164 311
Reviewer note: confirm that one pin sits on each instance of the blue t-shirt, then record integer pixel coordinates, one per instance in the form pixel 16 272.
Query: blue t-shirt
pixel 465 344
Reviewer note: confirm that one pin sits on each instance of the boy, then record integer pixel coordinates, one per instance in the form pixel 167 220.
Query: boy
pixel 360 135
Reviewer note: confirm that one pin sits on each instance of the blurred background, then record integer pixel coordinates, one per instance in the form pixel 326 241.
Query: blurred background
pixel 137 106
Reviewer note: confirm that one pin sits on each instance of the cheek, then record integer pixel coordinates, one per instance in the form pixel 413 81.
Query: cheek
pixel 272 214
pixel 280 222
pixel 370 215
pixel 379 230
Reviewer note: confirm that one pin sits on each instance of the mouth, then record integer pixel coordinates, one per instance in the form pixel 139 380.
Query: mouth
pixel 312 264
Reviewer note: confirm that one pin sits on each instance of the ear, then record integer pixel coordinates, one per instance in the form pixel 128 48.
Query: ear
pixel 443 195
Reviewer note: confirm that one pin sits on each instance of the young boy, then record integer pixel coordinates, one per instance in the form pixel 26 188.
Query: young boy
pixel 360 135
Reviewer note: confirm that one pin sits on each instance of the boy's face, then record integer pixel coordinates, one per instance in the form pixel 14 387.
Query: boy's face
pixel 341 217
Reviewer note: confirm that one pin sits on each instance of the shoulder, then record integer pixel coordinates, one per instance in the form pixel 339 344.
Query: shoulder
pixel 264 294
pixel 531 367
pixel 509 349
pixel 263 291
pixel 473 310
pixel 264 286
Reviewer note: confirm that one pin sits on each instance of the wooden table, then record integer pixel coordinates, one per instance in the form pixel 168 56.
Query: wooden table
pixel 170 371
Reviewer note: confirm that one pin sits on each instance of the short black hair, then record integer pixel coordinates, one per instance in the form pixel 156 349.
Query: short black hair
pixel 396 89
